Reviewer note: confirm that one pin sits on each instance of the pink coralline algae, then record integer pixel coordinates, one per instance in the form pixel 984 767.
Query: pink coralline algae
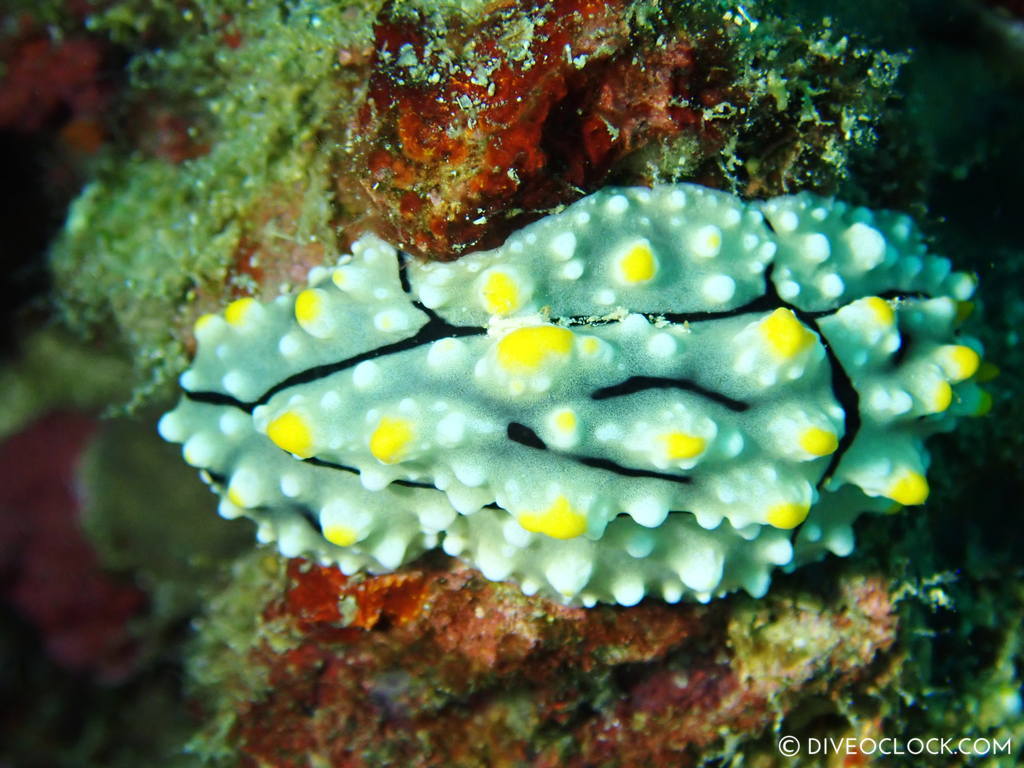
pixel 51 574
pixel 46 79
pixel 527 109
pixel 384 670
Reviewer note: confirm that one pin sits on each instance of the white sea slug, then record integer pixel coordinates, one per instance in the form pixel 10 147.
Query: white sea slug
pixel 658 391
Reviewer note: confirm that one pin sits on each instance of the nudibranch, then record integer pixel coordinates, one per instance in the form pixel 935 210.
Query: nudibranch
pixel 664 391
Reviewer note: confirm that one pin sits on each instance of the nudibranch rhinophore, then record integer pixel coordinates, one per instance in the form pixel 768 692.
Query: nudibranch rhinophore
pixel 662 391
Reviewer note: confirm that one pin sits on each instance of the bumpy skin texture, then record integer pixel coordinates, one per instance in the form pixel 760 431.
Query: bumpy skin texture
pixel 645 393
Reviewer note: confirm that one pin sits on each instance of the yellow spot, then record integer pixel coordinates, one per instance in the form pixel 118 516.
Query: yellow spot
pixel 787 514
pixel 338 278
pixel 679 445
pixel 960 362
pixel 500 293
pixel 881 310
pixel 590 346
pixel 942 396
pixel 236 311
pixel 290 432
pixel 711 241
pixel 390 439
pixel 984 403
pixel 307 307
pixel 565 420
pixel 637 264
pixel 526 349
pixel 786 335
pixel 342 535
pixel 559 521
pixel 201 322
pixel 241 492
pixel 964 309
pixel 909 488
pixel 987 371
pixel 818 441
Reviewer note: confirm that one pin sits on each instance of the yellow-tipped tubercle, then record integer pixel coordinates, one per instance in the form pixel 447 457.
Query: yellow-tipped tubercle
pixel 818 441
pixel 500 294
pixel 525 350
pixel 785 334
pixel 637 264
pixel 787 514
pixel 680 445
pixel 390 439
pixel 236 312
pixel 909 488
pixel 559 521
pixel 308 306
pixel 291 432
pixel 342 535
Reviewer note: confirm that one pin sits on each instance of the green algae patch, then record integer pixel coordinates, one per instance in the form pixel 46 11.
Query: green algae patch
pixel 148 235
pixel 53 371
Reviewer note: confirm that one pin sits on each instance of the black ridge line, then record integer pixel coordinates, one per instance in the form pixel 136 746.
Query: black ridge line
pixel 841 385
pixel 762 303
pixel 522 434
pixel 222 479
pixel 758 304
pixel 635 384
pixel 848 397
pixel 352 470
pixel 891 294
pixel 843 391
pixel 403 274
pixel 768 300
pixel 434 329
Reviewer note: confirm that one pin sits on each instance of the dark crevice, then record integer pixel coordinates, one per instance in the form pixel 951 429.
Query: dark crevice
pixel 216 478
pixel 903 295
pixel 312 518
pixel 906 341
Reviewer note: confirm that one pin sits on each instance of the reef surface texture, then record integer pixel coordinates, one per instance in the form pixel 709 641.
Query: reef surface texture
pixel 180 157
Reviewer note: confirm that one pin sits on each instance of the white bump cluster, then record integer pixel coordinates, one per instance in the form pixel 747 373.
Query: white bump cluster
pixel 650 393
